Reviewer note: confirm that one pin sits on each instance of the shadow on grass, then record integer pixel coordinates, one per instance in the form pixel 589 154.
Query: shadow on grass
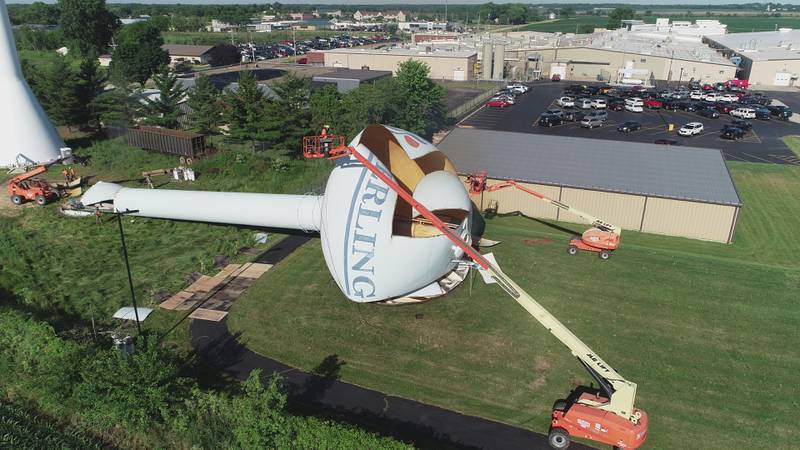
pixel 489 215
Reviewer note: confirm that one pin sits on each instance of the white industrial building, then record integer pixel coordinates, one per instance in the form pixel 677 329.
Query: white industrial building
pixel 444 65
pixel 698 28
pixel 770 58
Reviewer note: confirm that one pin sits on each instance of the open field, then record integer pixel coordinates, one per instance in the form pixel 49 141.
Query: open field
pixel 21 429
pixel 736 24
pixel 708 331
pixel 793 142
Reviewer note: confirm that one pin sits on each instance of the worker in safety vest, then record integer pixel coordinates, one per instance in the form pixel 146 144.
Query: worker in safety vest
pixel 325 139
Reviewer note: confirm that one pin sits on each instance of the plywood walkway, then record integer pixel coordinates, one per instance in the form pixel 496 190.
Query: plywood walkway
pixel 216 294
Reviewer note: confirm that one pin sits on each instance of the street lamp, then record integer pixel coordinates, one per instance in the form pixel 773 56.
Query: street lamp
pixel 127 265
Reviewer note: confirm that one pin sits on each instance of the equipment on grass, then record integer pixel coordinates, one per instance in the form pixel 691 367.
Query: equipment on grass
pixel 603 238
pixel 375 245
pixel 608 416
pixel 25 188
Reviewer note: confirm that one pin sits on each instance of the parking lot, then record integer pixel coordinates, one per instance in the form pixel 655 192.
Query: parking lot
pixel 761 144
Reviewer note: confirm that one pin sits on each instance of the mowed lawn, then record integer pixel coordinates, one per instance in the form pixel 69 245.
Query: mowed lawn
pixel 708 331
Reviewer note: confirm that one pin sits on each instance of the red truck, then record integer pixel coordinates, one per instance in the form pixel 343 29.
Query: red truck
pixel 744 84
pixel 653 103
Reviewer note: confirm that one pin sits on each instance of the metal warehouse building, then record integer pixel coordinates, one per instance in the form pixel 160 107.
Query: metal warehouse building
pixel 770 58
pixel 676 191
pixel 444 65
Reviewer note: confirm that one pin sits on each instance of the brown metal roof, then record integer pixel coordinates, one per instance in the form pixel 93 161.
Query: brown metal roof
pixel 187 50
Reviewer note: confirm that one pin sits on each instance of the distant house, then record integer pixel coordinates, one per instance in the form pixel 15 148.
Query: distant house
pixel 336 13
pixel 301 16
pixel 104 60
pixel 396 16
pixel 218 26
pixel 367 15
pixel 195 54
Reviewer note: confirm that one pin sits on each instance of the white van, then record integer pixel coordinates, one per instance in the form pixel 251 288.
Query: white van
pixel 744 113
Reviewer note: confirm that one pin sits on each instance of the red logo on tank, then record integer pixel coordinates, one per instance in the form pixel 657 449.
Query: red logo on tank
pixel 411 141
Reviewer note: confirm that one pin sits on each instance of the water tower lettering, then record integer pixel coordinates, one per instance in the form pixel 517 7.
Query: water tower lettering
pixel 364 236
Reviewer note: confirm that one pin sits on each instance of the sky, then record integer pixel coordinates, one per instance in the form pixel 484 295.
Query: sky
pixel 425 2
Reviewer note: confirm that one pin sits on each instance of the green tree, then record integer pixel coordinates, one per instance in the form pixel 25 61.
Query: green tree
pixel 204 99
pixel 90 85
pixel 87 25
pixel 566 12
pixel 164 111
pixel 618 15
pixel 288 116
pixel 326 109
pixel 245 108
pixel 370 103
pixel 135 391
pixel 138 54
pixel 56 86
pixel 114 107
pixel 420 101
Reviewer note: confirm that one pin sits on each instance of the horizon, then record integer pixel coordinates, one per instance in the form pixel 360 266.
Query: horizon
pixel 710 3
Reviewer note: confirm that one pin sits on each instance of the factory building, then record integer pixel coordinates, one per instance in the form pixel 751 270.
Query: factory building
pixel 770 58
pixel 686 192
pixel 444 65
pixel 618 56
pixel 347 80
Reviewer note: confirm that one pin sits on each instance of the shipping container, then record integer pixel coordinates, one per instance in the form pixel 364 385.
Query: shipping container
pixel 165 140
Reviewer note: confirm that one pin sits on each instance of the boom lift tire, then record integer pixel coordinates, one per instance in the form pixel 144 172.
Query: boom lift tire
pixel 41 200
pixel 572 250
pixel 605 255
pixel 558 439
pixel 16 199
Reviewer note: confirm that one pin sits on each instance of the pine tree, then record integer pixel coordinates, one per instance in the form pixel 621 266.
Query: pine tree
pixel 90 85
pixel 165 111
pixel 56 87
pixel 288 117
pixel 204 99
pixel 245 109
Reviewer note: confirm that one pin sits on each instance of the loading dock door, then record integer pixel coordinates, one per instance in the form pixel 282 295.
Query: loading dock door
pixel 459 75
pixel 783 78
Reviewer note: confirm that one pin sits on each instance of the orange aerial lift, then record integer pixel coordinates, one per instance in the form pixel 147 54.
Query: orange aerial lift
pixel 25 188
pixel 607 416
pixel 603 238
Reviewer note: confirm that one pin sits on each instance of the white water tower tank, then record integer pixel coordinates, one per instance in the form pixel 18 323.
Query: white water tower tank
pixel 27 136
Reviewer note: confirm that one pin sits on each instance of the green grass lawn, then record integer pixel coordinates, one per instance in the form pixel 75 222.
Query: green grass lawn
pixel 793 142
pixel 708 331
pixel 71 270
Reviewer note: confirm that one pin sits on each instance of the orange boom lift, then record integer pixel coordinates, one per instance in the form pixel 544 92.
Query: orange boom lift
pixel 26 188
pixel 607 416
pixel 603 238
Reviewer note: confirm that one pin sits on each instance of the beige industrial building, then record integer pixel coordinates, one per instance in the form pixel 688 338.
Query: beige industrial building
pixel 770 58
pixel 618 56
pixel 444 65
pixel 686 192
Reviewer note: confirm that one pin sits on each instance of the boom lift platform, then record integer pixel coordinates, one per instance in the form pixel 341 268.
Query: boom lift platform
pixel 603 238
pixel 608 416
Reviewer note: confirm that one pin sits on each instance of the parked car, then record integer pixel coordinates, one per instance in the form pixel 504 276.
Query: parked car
pixel 691 129
pixel 629 126
pixel 670 105
pixel 694 85
pixel 707 87
pixel 599 103
pixel 632 107
pixel 711 113
pixel 653 103
pixel 565 101
pixel 616 105
pixel 583 103
pixel 744 113
pixel 548 120
pixel 725 108
pixel 696 95
pixel 634 101
pixel 738 123
pixel 602 115
pixel 591 122
pixel 728 98
pixel 712 96
pixel 762 112
pixel 572 115
pixel 686 105
pixel 780 111
pixel 504 97
pixel 555 77
pixel 518 87
pixel 732 133
pixel 744 84
pixel 497 103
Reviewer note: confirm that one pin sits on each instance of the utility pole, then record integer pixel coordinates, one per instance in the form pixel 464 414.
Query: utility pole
pixel 128 266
